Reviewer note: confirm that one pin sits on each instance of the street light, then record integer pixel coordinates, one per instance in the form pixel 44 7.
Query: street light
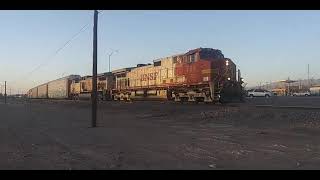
pixel 111 55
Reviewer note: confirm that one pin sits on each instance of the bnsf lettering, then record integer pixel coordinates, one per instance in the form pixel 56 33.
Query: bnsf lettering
pixel 150 76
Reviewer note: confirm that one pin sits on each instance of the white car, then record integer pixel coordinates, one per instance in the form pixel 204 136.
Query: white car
pixel 301 94
pixel 260 93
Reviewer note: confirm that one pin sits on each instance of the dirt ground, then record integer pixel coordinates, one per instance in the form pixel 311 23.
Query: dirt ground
pixel 158 135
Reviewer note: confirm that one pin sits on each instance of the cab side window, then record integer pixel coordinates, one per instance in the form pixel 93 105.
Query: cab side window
pixel 174 60
pixel 192 58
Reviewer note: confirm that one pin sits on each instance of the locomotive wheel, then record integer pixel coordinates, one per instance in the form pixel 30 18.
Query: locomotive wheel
pixel 199 99
pixel 169 95
pixel 183 99
pixel 177 98
pixel 221 101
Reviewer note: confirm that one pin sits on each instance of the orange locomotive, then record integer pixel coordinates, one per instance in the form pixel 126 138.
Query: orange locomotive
pixel 202 74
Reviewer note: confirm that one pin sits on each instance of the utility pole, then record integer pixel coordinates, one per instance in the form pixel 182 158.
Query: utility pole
pixel 300 85
pixel 308 76
pixel 109 61
pixel 110 57
pixel 5 92
pixel 94 71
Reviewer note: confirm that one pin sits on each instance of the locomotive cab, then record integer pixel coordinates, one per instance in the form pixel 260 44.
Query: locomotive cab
pixel 207 71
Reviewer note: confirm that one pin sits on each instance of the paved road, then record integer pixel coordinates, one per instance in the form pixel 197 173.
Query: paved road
pixel 313 101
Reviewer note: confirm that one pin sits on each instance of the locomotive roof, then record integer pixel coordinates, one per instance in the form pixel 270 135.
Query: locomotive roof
pixel 200 49
pixel 105 74
pixel 160 59
pixel 188 53
pixel 122 70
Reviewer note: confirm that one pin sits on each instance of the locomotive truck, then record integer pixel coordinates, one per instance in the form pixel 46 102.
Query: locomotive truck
pixel 200 75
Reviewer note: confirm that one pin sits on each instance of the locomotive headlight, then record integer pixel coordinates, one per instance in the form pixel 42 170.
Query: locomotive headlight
pixel 227 62
pixel 229 79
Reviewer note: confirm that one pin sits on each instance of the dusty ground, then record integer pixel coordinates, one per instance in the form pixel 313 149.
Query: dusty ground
pixel 155 135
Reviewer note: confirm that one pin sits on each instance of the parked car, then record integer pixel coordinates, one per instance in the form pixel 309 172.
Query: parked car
pixel 260 93
pixel 301 94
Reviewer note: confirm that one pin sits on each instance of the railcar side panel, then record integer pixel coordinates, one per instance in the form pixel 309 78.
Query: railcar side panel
pixel 58 89
pixel 43 91
pixel 34 92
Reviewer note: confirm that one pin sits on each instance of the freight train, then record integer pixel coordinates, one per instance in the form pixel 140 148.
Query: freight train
pixel 200 75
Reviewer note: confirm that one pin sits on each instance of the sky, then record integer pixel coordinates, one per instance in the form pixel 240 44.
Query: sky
pixel 265 45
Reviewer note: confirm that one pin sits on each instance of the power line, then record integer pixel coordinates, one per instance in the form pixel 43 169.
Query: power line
pixel 60 49
pixel 65 45
pixel 82 29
